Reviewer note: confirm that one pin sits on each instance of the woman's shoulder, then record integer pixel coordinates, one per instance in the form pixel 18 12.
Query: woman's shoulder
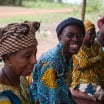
pixel 4 87
pixel 4 100
pixel 9 97
pixel 50 56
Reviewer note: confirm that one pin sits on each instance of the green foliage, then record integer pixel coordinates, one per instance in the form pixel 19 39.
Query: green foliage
pixel 9 2
pixel 46 5
pixel 46 0
pixel 54 17
pixel 43 0
pixel 93 5
pixel 2 2
pixel 44 18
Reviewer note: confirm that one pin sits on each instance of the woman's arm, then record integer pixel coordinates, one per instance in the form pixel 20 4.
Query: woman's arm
pixel 79 94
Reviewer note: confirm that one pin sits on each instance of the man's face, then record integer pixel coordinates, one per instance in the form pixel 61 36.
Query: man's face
pixel 71 38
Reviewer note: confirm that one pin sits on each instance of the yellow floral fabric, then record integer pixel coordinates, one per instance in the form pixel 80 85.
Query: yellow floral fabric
pixel 4 100
pixel 87 59
pixel 49 78
pixel 88 25
pixel 23 89
pixel 52 77
pixel 100 71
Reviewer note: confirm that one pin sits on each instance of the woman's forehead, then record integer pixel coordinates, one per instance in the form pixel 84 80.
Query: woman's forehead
pixel 72 28
pixel 28 49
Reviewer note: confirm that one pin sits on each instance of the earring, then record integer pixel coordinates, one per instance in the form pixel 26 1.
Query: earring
pixel 9 64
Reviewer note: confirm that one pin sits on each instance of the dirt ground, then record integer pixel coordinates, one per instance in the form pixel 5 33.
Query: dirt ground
pixel 47 38
pixel 6 12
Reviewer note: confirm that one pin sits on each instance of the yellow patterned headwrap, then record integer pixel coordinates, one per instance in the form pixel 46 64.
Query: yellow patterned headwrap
pixel 88 25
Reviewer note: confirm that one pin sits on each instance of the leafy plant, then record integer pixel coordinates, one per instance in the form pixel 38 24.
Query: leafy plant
pixel 93 5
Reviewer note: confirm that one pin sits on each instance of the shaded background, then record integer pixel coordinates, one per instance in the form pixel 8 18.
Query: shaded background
pixel 49 13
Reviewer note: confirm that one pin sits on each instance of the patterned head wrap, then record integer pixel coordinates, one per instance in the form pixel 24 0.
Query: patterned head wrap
pixel 88 25
pixel 17 36
pixel 100 22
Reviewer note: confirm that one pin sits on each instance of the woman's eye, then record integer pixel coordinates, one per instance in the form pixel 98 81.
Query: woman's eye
pixel 28 56
pixel 80 35
pixel 70 35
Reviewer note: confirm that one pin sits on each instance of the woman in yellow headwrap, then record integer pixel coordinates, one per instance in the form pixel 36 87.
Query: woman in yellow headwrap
pixel 86 63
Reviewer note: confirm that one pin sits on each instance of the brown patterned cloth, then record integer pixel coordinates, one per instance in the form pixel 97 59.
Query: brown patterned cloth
pixel 17 36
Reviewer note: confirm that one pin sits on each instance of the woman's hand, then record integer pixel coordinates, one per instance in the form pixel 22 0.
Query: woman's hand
pixel 80 68
pixel 78 94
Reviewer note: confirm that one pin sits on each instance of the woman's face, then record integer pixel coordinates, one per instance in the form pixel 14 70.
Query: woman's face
pixel 22 62
pixel 71 38
pixel 89 37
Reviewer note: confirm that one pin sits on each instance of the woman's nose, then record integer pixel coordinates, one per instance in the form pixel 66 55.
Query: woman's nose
pixel 33 59
pixel 75 38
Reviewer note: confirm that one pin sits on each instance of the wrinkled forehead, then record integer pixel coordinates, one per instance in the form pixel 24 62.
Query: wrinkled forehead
pixel 73 29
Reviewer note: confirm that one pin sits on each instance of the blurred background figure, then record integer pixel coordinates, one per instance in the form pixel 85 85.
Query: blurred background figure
pixel 86 65
pixel 100 34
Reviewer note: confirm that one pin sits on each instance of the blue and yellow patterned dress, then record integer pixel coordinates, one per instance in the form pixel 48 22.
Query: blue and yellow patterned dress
pixel 52 78
pixel 13 95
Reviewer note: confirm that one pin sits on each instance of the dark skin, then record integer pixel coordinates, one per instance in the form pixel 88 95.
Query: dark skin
pixel 71 38
pixel 100 37
pixel 17 64
pixel 89 38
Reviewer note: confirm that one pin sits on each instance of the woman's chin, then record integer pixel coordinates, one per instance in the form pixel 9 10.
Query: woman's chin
pixel 74 51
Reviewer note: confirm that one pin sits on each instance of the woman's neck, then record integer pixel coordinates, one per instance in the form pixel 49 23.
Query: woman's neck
pixel 9 77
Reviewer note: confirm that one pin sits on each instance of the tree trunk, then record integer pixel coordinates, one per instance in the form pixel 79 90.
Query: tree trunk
pixel 14 2
pixel 83 10
pixel 20 3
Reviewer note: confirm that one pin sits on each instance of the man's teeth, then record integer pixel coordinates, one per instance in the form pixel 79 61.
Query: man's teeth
pixel 74 45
